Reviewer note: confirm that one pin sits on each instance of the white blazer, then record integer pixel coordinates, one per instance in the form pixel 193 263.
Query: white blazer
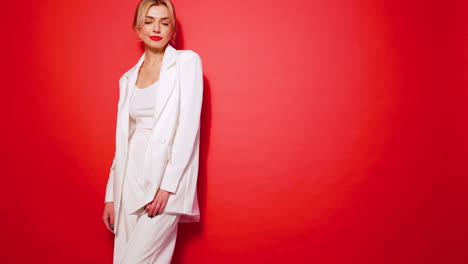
pixel 171 158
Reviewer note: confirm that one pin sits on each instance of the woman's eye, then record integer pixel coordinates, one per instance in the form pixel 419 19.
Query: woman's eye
pixel 147 22
pixel 165 24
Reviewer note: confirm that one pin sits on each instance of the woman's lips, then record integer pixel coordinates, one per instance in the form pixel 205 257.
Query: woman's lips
pixel 155 38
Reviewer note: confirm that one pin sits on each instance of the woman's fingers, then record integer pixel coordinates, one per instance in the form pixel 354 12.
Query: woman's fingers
pixel 148 207
pixel 158 204
pixel 163 205
pixel 111 218
pixel 108 216
pixel 155 208
pixel 107 221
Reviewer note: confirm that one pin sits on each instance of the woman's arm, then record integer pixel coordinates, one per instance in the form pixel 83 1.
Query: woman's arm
pixel 191 97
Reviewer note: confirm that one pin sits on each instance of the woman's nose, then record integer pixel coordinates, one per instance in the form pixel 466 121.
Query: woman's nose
pixel 156 27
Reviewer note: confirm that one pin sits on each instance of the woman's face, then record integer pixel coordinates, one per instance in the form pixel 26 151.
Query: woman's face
pixel 157 24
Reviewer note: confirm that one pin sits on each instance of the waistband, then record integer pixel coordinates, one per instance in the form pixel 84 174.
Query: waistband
pixel 144 130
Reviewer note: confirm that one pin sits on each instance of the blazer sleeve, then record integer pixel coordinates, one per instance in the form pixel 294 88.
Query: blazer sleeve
pixel 110 183
pixel 191 97
pixel 109 197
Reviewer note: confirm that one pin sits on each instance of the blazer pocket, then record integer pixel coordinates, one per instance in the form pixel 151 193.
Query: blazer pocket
pixel 169 153
pixel 164 141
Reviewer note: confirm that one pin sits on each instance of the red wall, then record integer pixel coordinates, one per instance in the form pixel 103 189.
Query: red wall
pixel 332 131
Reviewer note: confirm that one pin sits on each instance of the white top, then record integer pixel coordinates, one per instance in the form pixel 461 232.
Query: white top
pixel 141 107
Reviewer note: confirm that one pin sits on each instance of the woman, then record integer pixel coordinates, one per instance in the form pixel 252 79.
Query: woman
pixel 153 177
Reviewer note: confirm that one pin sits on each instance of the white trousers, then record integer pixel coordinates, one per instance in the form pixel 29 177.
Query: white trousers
pixel 141 239
pixel 146 240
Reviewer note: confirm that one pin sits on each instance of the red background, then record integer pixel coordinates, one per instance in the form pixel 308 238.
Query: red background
pixel 332 131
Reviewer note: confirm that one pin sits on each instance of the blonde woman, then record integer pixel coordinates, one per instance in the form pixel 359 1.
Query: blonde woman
pixel 152 184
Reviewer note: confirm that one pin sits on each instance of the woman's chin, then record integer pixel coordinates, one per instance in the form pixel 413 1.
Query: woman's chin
pixel 155 44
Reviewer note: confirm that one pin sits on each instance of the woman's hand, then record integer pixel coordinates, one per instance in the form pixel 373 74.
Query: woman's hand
pixel 158 204
pixel 108 216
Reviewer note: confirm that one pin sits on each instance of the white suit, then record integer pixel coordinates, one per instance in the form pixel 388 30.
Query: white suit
pixel 171 158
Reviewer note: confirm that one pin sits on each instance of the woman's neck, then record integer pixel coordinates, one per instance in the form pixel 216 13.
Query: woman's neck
pixel 153 56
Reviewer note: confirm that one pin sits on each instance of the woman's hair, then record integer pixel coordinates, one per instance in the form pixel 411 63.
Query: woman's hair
pixel 145 5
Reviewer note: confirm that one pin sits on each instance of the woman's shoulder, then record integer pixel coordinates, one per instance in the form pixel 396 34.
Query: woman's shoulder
pixel 187 54
pixel 126 74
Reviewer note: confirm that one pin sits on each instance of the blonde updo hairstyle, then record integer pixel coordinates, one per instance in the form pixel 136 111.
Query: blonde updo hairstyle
pixel 142 10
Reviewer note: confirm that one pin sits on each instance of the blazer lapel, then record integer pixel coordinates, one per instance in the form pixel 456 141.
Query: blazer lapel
pixel 167 78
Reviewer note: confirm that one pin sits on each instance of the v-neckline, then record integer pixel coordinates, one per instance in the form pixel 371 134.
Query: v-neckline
pixel 136 87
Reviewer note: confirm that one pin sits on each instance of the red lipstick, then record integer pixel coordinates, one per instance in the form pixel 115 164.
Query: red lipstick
pixel 156 38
